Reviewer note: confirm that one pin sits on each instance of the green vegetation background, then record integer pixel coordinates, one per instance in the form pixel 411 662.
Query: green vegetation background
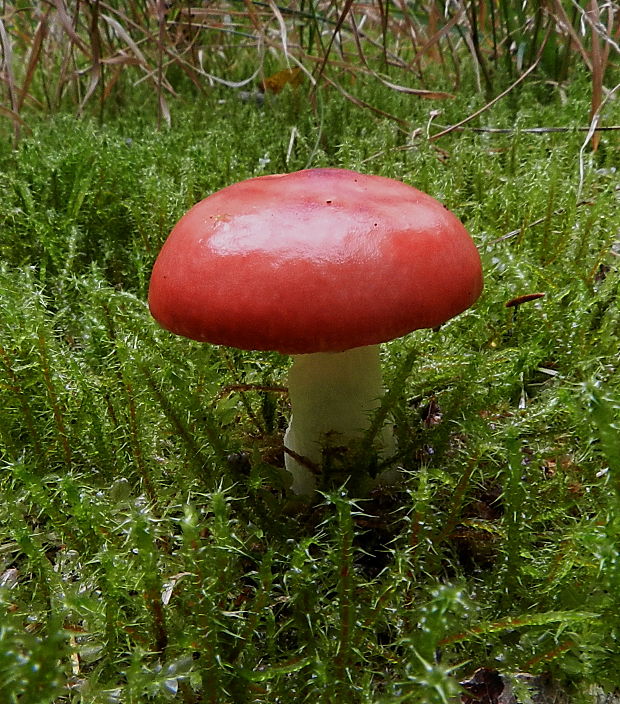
pixel 148 548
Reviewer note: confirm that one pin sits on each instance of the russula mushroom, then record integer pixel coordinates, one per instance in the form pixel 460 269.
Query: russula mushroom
pixel 322 264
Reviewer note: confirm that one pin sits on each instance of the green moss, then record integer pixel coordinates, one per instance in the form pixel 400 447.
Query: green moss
pixel 148 549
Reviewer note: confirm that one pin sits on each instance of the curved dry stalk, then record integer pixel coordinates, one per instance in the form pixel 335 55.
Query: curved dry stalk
pixel 33 57
pixel 337 28
pixel 96 70
pixel 497 98
pixel 363 104
pixel 67 25
pixel 420 92
pixel 592 130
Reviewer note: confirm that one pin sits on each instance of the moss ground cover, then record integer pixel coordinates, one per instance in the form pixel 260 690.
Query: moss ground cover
pixel 149 550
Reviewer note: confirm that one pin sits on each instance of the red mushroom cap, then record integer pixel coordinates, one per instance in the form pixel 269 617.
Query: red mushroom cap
pixel 313 261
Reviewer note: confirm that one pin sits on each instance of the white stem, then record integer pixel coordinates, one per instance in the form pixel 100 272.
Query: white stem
pixel 332 396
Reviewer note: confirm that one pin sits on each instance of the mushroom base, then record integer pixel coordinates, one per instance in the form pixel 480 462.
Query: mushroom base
pixel 333 396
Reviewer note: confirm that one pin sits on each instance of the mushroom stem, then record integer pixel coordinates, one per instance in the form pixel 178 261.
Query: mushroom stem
pixel 332 396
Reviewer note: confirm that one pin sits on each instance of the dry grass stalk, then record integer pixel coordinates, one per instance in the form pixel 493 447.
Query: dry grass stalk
pixel 598 69
pixel 7 51
pixel 497 98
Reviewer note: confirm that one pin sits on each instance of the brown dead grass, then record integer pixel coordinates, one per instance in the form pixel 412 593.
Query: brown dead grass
pixel 64 54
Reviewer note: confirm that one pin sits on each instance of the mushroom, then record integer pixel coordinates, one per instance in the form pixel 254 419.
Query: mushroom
pixel 322 264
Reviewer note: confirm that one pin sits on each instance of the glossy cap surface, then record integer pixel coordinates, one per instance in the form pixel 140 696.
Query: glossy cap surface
pixel 313 261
